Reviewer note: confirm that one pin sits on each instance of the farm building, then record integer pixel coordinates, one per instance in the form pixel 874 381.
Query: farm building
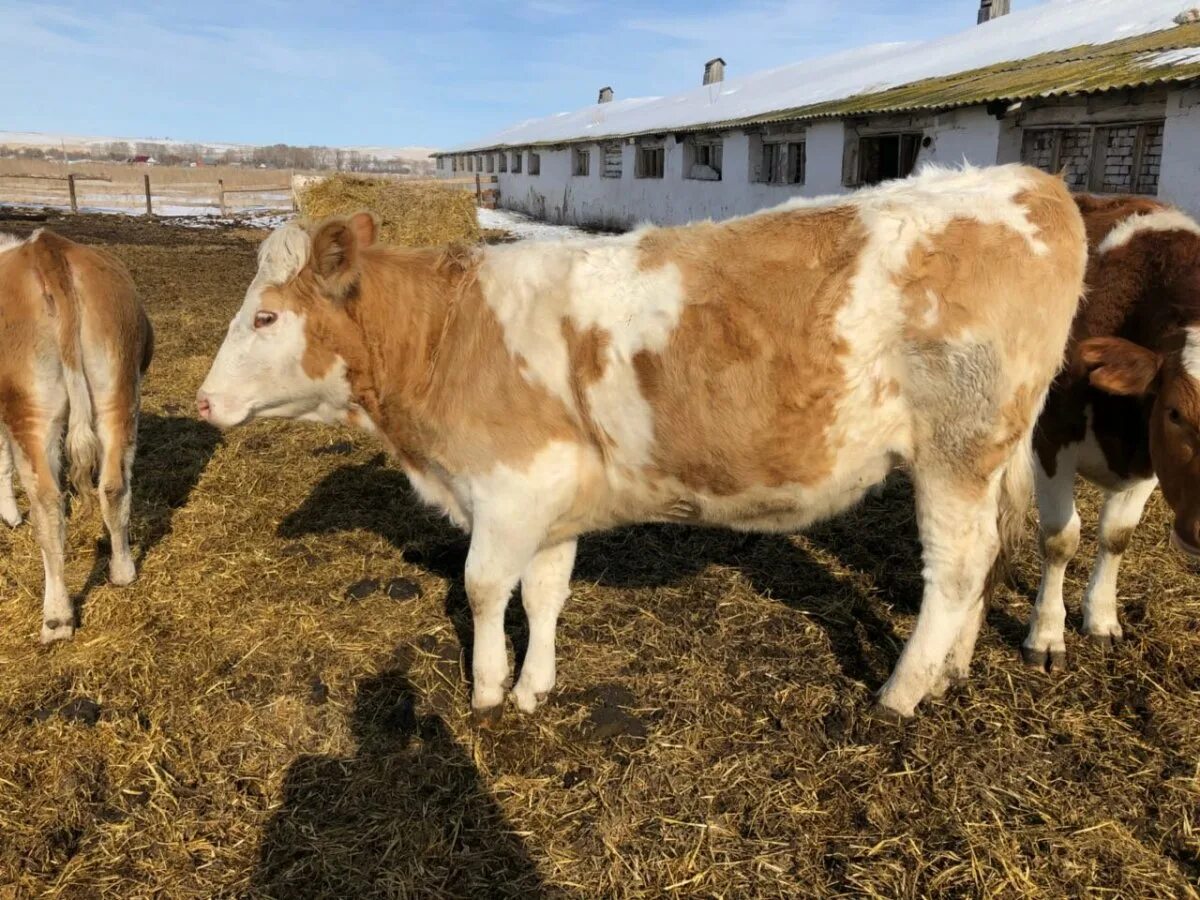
pixel 1107 91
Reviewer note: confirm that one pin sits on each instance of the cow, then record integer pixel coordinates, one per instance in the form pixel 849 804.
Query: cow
pixel 76 345
pixel 760 373
pixel 1125 411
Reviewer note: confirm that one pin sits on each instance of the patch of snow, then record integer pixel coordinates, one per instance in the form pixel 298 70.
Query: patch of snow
pixel 1179 57
pixel 525 228
pixel 1057 25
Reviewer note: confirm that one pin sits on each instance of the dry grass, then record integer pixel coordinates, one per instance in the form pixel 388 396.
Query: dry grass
pixel 412 214
pixel 262 735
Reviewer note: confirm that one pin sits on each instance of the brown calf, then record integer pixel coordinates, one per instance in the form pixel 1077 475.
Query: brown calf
pixel 76 343
pixel 1125 413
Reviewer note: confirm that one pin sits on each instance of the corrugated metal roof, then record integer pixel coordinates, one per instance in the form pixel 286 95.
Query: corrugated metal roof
pixel 1165 56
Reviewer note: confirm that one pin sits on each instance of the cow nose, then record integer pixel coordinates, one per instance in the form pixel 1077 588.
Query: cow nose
pixel 203 407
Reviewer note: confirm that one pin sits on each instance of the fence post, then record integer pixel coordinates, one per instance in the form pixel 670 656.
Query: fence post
pixel 478 191
pixel 149 208
pixel 221 196
pixel 71 189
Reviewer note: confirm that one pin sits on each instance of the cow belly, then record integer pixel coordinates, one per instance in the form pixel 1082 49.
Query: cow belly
pixel 1094 465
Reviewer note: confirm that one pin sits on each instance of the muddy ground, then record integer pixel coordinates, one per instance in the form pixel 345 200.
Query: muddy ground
pixel 277 707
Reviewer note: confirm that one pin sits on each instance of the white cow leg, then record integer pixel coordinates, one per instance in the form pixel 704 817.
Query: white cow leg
pixel 545 587
pixel 1120 517
pixel 498 555
pixel 1045 645
pixel 958 663
pixel 959 543
pixel 8 501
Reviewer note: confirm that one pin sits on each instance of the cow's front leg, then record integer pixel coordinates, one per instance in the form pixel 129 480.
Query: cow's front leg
pixel 500 552
pixel 1120 516
pixel 959 544
pixel 9 513
pixel 545 586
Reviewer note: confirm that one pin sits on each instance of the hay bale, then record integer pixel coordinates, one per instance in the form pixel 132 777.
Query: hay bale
pixel 411 213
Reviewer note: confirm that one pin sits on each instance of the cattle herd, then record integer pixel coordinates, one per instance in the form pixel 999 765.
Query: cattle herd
pixel 759 374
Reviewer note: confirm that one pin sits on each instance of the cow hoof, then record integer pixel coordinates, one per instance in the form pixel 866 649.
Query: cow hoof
pixel 1106 640
pixel 1047 659
pixel 528 699
pixel 57 630
pixel 10 517
pixel 487 716
pixel 122 574
pixel 885 715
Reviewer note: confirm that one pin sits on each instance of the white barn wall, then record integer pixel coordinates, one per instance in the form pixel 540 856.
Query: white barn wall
pixel 1179 182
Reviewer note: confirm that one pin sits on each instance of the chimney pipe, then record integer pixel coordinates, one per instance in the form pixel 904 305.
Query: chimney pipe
pixel 606 95
pixel 993 9
pixel 714 71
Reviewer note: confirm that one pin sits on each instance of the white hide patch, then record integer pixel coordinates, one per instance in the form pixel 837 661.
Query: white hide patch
pixel 9 241
pixel 1191 353
pixel 1164 220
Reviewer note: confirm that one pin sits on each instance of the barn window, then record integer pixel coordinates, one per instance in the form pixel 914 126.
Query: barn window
pixel 581 161
pixel 479 163
pixel 516 162
pixel 491 162
pixel 778 159
pixel 702 158
pixel 882 157
pixel 470 164
pixel 650 162
pixel 441 163
pixel 612 161
pixel 1113 159
pixel 501 161
pixel 535 163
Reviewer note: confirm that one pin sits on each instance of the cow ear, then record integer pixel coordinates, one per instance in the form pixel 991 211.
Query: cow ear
pixel 337 249
pixel 1121 367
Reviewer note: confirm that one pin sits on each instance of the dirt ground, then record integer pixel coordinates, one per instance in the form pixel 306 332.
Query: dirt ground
pixel 277 708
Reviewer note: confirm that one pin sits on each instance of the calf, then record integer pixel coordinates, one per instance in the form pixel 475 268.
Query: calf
pixel 76 343
pixel 759 374
pixel 1125 413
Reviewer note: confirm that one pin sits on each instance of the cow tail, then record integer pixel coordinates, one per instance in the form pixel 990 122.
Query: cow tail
pixel 83 445
pixel 1016 488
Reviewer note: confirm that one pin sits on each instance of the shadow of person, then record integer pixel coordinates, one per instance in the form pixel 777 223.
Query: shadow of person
pixel 406 816
pixel 172 453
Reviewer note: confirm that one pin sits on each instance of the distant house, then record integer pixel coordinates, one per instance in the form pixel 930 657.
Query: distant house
pixel 142 161
pixel 1106 91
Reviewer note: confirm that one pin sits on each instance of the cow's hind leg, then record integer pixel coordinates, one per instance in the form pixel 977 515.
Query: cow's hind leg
pixel 1120 516
pixel 1045 645
pixel 959 540
pixel 116 422
pixel 9 512
pixel 545 586
pixel 39 460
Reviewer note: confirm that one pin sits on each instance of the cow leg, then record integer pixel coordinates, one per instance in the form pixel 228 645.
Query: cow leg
pixel 39 461
pixel 1120 516
pixel 117 427
pixel 958 663
pixel 545 586
pixel 959 541
pixel 500 552
pixel 9 512
pixel 1045 645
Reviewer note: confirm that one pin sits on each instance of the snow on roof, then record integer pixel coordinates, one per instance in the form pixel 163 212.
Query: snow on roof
pixel 1055 25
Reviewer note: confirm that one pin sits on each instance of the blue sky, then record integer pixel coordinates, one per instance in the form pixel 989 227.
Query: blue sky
pixel 429 74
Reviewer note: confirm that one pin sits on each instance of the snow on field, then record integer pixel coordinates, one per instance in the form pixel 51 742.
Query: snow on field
pixel 1056 25
pixel 523 227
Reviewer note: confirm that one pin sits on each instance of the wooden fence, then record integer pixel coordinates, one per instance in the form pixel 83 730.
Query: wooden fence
pixel 190 194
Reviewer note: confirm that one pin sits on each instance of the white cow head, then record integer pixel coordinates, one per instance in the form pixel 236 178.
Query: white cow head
pixel 280 358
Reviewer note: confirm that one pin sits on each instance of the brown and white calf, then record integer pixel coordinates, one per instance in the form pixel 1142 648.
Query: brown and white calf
pixel 1125 413
pixel 75 345
pixel 760 374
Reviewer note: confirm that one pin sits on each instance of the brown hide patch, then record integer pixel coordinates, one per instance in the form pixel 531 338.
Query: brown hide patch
pixel 587 361
pixel 426 359
pixel 761 299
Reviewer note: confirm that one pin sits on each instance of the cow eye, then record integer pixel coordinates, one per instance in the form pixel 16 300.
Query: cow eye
pixel 1174 416
pixel 264 318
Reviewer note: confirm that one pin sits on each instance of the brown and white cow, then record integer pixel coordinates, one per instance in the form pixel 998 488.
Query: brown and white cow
pixel 75 345
pixel 1125 413
pixel 760 374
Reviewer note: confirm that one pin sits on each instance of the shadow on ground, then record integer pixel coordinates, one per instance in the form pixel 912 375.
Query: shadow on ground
pixel 874 547
pixel 405 816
